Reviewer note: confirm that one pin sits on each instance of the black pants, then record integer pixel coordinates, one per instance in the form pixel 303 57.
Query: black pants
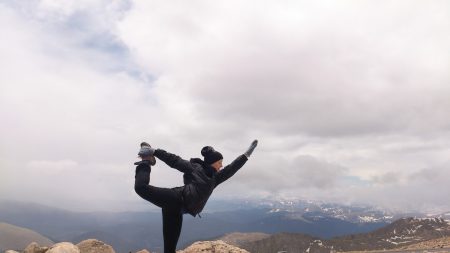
pixel 170 200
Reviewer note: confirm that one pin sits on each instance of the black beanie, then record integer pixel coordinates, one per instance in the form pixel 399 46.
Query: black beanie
pixel 210 155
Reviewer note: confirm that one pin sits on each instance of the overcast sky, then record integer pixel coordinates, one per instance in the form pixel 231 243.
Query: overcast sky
pixel 350 100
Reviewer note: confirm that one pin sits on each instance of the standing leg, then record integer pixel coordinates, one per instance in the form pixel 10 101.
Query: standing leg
pixel 172 223
pixel 169 200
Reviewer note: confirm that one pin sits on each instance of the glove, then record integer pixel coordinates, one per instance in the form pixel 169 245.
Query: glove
pixel 146 150
pixel 251 148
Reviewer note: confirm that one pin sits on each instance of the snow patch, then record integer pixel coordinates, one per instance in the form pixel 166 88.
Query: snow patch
pixel 436 220
pixel 396 240
pixel 319 242
pixel 368 219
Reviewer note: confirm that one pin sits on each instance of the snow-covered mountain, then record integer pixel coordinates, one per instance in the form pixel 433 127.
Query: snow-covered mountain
pixel 444 216
pixel 313 210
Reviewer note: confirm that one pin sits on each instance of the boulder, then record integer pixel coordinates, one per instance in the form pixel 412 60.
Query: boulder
pixel 31 248
pixel 143 251
pixel 11 251
pixel 35 248
pixel 212 247
pixel 63 247
pixel 94 246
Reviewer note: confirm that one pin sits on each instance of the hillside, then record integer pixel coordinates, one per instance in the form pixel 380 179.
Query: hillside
pixel 440 243
pixel 14 237
pixel 401 233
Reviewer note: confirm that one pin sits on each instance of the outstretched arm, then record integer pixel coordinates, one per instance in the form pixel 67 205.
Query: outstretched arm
pixel 229 170
pixel 173 161
pixel 232 168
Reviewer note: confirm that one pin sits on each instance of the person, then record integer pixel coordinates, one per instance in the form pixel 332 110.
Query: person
pixel 200 178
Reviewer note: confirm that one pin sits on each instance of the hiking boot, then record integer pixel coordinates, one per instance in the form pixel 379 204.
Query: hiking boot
pixel 146 153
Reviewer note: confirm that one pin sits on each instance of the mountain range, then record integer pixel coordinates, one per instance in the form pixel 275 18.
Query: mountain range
pixel 415 234
pixel 130 231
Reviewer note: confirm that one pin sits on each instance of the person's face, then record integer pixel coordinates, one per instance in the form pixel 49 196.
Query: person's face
pixel 152 160
pixel 217 165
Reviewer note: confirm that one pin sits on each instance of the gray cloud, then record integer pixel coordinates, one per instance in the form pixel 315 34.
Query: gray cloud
pixel 426 189
pixel 388 178
pixel 277 175
pixel 349 100
pixel 304 78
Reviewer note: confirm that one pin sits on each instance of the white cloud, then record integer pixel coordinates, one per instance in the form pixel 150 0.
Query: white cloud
pixel 51 166
pixel 316 71
pixel 56 106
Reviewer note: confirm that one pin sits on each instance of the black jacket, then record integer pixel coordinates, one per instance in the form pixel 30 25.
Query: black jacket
pixel 200 179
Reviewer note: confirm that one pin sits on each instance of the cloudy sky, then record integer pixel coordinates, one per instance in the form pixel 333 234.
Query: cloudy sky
pixel 350 100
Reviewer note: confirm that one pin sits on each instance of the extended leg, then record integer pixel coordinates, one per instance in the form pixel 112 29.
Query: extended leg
pixel 162 197
pixel 172 223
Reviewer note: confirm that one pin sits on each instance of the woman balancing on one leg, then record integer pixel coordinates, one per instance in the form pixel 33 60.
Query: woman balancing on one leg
pixel 200 179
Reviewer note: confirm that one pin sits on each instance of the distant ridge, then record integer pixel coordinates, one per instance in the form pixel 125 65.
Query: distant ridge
pixel 14 237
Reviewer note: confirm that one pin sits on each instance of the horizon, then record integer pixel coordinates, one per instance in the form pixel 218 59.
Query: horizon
pixel 215 205
pixel 349 100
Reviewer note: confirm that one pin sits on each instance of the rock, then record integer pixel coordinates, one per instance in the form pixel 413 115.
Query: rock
pixel 35 248
pixel 212 247
pixel 94 246
pixel 11 251
pixel 143 251
pixel 63 247
pixel 31 248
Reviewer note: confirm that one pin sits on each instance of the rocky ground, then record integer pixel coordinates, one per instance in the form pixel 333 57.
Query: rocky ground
pixel 87 246
pixel 96 246
pixel 435 245
pixel 212 246
pixel 219 246
pixel 440 243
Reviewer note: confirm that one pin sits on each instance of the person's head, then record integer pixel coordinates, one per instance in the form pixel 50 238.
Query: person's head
pixel 212 157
